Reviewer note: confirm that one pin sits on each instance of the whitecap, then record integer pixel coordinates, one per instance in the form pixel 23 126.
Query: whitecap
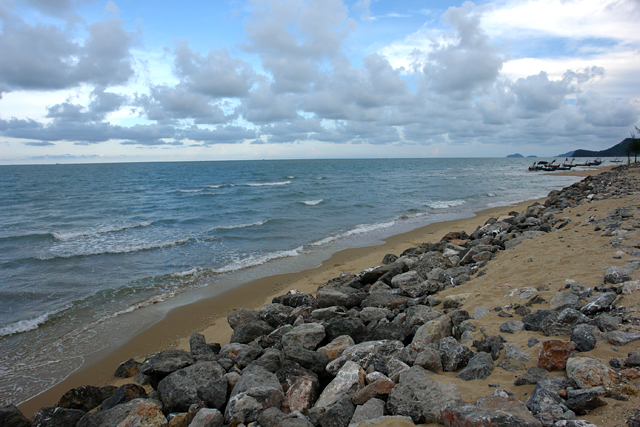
pixel 312 202
pixel 444 204
pixel 269 184
pixel 103 229
pixel 253 260
pixel 233 227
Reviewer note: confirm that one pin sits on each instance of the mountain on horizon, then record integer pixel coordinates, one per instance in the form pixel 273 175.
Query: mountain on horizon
pixel 615 151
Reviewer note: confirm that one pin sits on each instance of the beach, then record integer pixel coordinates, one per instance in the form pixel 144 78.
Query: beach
pixel 574 252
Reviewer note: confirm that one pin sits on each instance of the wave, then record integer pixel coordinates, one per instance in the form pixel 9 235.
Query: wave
pixel 190 191
pixel 255 260
pixel 100 230
pixel 312 202
pixel 98 250
pixel 359 229
pixel 29 324
pixel 444 204
pixel 268 184
pixel 233 227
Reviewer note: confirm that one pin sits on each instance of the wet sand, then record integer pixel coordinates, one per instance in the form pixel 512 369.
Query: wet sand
pixel 574 252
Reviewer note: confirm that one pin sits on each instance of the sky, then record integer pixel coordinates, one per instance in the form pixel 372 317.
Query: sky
pixel 136 80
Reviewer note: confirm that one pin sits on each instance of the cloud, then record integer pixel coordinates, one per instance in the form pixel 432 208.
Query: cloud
pixel 44 57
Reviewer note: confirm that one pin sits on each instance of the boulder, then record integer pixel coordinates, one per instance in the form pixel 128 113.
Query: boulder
pixel 619 274
pixel 562 300
pixel 429 359
pixel 545 397
pixel 313 360
pixel 391 331
pixel 276 315
pixel 124 394
pixel 117 414
pixel 429 261
pixel 352 326
pixel 85 397
pixel 337 346
pixel 367 354
pixel 11 416
pixel 533 321
pixel 307 336
pixel 564 322
pixel 242 316
pixel 532 376
pixel 349 379
pixel 147 414
pixel 584 338
pixel 163 363
pixel 385 299
pixel 588 372
pixel 202 382
pixel 230 351
pixel 479 367
pixel 374 314
pixel 295 299
pixel 343 296
pixel 257 390
pixel 207 417
pixel 584 403
pixel 414 389
pixel 599 303
pixel 455 301
pixel 380 388
pixel 434 330
pixel 621 338
pixel 52 417
pixel 337 415
pixel 554 354
pixel 512 326
pixel 127 369
pixel 454 355
pixel 300 387
pixel 372 409
pixel 245 333
pixel 513 352
pixel 199 349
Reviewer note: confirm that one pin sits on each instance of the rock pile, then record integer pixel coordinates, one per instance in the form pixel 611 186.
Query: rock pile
pixel 366 345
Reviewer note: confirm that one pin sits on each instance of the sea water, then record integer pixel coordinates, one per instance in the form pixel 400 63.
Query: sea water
pixel 83 246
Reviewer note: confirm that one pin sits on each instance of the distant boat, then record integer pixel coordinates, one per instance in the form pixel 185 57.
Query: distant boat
pixel 617 160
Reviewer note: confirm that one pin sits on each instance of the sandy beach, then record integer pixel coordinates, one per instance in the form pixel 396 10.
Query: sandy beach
pixel 575 252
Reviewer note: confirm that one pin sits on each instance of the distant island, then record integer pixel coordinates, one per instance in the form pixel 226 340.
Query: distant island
pixel 517 155
pixel 617 150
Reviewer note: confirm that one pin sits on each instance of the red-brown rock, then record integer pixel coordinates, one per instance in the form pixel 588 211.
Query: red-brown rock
pixel 554 354
pixel 452 235
pixel 378 388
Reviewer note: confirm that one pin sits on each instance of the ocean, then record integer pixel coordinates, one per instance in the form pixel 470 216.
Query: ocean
pixel 92 254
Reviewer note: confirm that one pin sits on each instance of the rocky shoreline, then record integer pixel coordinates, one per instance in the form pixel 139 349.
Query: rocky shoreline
pixel 372 348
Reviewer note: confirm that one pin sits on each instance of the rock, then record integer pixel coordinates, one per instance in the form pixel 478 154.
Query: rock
pixel 308 359
pixel 607 323
pixel 619 274
pixel 409 278
pixel 271 359
pixel 502 400
pixel 562 300
pixel 584 338
pixel 335 348
pixel 199 349
pixel 247 355
pixel 521 293
pixel 418 315
pixel 599 303
pixel 127 369
pixel 116 415
pixel 385 299
pixel 349 379
pixel 372 409
pixel 147 414
pixel 632 360
pixel 512 326
pixel 204 381
pixel 587 373
pixel 207 417
pixel 429 261
pixel 242 316
pixel 630 287
pixel 532 376
pixel 374 314
pixel 307 336
pixel 342 296
pixel 554 354
pixel 276 315
pixel 379 388
pixel 512 365
pixel 51 417
pixel 434 330
pixel 532 341
pixel 300 386
pixel 85 397
pixel 414 389
pixel 470 415
pixel 429 359
pixel 124 394
pixel 354 327
pixel 337 415
pixel 533 321
pixel 257 390
pixel 545 397
pixel 248 332
pixel 480 367
pixel 11 416
pixel 454 355
pixel 564 322
pixel 479 312
pixel 492 345
pixel 582 291
pixel 585 403
pixel 455 301
pixel 163 363
pixel 620 338
pixel 574 423
pixel 367 354
pixel 513 352
pixel 296 299
pixel 230 351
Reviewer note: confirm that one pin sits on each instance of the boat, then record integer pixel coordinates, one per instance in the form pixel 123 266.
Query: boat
pixel 596 162
pixel 617 160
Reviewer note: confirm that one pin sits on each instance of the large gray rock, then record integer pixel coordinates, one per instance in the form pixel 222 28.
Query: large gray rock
pixel 300 386
pixel 372 409
pixel 163 363
pixel 248 332
pixel 367 354
pixel 204 381
pixel 429 261
pixel 54 417
pixel 562 300
pixel 420 398
pixel 257 390
pixel 296 299
pixel 242 316
pixel 479 367
pixel 622 338
pixel 309 359
pixel 545 397
pixel 337 415
pixel 434 330
pixel 374 314
pixel 85 397
pixel 454 355
pixel 390 300
pixel 115 415
pixel 11 416
pixel 352 326
pixel 513 352
pixel 584 338
pixel 349 379
pixel 276 314
pixel 599 303
pixel 619 274
pixel 199 349
pixel 341 295
pixel 207 417
pixel 307 335
pixel 409 278
pixel 466 414
pixel 273 417
pixel 564 322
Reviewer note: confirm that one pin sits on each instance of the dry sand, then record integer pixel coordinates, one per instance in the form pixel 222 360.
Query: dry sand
pixel 575 252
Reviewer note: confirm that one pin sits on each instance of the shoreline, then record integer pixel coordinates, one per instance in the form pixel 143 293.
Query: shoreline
pixel 209 316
